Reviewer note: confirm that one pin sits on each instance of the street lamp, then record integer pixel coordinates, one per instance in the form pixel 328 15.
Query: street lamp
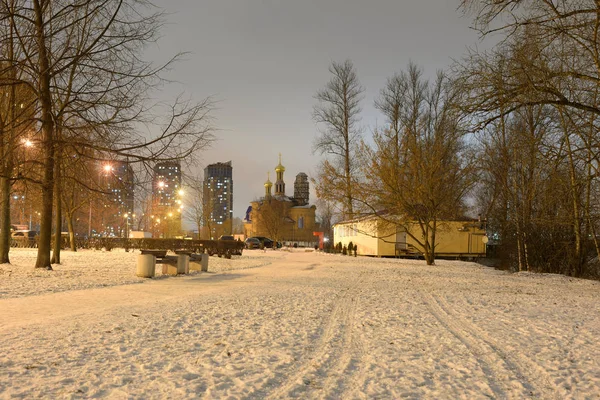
pixel 106 168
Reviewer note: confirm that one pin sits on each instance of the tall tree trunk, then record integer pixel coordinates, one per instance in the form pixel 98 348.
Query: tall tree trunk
pixel 427 253
pixel 57 210
pixel 71 231
pixel 6 151
pixel 591 227
pixel 433 235
pixel 47 139
pixel 4 220
pixel 347 160
pixel 577 260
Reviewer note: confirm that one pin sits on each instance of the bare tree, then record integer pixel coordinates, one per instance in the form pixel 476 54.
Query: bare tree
pixel 326 215
pixel 83 61
pixel 79 187
pixel 237 226
pixel 566 36
pixel 15 123
pixel 338 111
pixel 535 98
pixel 16 112
pixel 197 209
pixel 272 217
pixel 417 172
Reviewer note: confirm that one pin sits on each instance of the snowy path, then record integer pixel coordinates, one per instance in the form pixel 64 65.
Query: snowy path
pixel 306 325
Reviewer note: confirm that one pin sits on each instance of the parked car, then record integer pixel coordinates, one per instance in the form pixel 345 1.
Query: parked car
pixel 230 238
pixel 252 243
pixel 265 241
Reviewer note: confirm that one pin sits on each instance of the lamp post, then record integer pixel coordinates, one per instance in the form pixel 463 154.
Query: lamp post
pixel 106 168
pixel 126 216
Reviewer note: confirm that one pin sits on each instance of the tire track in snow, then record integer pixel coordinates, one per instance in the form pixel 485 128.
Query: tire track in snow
pixel 497 365
pixel 340 376
pixel 536 376
pixel 479 351
pixel 332 353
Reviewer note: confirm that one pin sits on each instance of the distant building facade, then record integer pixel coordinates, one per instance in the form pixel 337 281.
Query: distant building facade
pixel 166 184
pixel 286 219
pixel 116 178
pixel 217 199
pixel 166 199
pixel 120 184
pixel 376 236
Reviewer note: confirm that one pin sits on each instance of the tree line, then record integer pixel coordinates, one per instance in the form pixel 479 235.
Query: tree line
pixel 75 90
pixel 510 133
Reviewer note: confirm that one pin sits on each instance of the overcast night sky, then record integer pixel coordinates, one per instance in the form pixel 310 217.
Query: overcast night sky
pixel 265 59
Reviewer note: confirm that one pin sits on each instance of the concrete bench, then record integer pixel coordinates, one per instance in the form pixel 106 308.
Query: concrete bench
pixel 171 265
pixel 155 252
pixel 199 262
pixel 147 260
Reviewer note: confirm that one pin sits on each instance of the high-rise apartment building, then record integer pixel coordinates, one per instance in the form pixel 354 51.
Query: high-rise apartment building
pixel 166 184
pixel 116 178
pixel 218 197
pixel 166 199
pixel 120 184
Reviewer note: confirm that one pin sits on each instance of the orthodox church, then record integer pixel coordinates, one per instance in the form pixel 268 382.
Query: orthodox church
pixel 280 217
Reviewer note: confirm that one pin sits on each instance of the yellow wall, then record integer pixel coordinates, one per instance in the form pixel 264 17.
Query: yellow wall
pixel 359 234
pixel 453 238
pixel 304 234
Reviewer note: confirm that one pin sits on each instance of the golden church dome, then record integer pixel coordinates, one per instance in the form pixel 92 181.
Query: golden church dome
pixel 268 183
pixel 279 167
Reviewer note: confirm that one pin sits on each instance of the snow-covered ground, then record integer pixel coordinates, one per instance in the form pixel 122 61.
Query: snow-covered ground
pixel 295 325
